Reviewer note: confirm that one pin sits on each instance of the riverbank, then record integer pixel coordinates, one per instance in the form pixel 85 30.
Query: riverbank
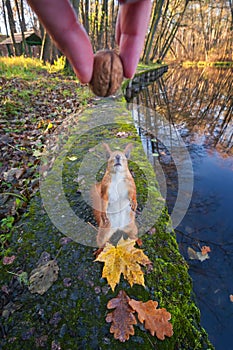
pixel 72 312
pixel 202 64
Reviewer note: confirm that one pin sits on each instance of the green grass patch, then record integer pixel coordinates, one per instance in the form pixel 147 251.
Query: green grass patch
pixel 201 64
pixel 25 68
pixel 143 66
pixel 28 68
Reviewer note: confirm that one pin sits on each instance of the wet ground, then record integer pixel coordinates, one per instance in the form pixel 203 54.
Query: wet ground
pixel 198 104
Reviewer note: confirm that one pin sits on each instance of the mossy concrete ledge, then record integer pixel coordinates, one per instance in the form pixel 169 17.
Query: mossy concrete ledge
pixel 142 79
pixel 71 314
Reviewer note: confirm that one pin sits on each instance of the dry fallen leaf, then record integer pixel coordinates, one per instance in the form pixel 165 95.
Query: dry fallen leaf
pixel 8 260
pixel 122 134
pixel 42 277
pixel 205 249
pixel 122 317
pixel 202 255
pixel 125 259
pixel 156 320
pixel 72 158
pixel 192 254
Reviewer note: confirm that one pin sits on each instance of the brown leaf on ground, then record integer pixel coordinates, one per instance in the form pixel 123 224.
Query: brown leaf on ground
pixel 205 250
pixel 8 260
pixel 42 277
pixel 202 255
pixel 156 320
pixel 122 317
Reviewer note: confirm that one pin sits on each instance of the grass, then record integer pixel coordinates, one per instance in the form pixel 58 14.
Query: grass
pixel 27 68
pixel 200 64
pixel 143 66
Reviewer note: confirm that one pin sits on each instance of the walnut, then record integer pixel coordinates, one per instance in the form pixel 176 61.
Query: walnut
pixel 107 73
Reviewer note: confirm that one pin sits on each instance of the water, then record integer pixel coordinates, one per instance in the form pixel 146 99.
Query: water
pixel 198 103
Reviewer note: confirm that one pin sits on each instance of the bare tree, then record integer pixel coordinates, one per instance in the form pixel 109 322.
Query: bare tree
pixel 12 26
pixel 22 26
pixel 6 26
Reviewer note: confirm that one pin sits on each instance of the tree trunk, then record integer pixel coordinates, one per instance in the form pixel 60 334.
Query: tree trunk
pixel 6 27
pixel 23 16
pixel 12 27
pixel 231 9
pixel 49 52
pixel 22 28
pixel 206 46
pixel 114 12
pixel 150 38
pixel 86 17
pixel 104 13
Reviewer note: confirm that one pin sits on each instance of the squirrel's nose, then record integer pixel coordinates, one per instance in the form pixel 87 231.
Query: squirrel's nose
pixel 118 157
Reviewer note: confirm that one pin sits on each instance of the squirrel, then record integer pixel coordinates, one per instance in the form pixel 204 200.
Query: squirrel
pixel 114 198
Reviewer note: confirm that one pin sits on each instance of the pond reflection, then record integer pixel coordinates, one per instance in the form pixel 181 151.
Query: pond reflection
pixel 198 104
pixel 198 101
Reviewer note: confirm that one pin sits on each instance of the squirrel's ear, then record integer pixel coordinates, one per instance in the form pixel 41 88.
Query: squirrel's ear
pixel 108 150
pixel 128 149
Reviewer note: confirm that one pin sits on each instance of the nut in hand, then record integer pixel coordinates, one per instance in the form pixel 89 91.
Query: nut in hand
pixel 107 73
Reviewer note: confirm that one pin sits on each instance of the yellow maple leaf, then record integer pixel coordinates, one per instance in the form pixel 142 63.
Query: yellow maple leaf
pixel 123 259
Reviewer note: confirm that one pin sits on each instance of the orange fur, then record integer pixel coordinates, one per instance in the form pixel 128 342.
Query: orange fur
pixel 114 198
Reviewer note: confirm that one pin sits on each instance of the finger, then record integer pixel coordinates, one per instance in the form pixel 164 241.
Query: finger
pixel 61 22
pixel 118 29
pixel 132 26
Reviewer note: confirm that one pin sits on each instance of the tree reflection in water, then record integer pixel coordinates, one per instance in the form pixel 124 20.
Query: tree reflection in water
pixel 199 100
pixel 199 103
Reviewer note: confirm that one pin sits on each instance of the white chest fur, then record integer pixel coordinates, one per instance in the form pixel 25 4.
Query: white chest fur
pixel 118 210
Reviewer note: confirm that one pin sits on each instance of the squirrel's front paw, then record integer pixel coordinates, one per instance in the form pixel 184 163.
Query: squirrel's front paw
pixel 104 218
pixel 133 205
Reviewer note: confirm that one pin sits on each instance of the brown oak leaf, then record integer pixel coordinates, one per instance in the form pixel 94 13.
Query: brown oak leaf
pixel 122 317
pixel 156 320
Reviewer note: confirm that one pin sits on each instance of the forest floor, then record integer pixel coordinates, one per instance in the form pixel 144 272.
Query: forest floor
pixel 34 100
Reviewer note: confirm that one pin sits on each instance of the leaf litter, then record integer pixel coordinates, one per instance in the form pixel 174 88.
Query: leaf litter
pixel 123 318
pixel 30 111
pixel 199 255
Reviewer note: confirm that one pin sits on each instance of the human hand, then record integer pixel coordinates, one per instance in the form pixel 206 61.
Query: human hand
pixel 60 21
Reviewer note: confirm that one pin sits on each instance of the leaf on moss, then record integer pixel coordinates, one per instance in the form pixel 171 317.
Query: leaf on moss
pixel 202 255
pixel 125 259
pixel 122 317
pixel 155 320
pixel 42 277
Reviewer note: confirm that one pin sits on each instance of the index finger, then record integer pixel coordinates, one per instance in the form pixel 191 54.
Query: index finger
pixel 59 19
